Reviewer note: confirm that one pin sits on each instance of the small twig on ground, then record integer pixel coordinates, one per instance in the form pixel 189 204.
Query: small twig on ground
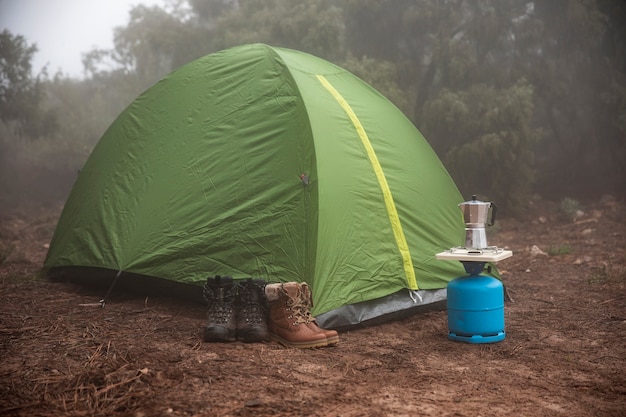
pixel 118 384
pixel 507 294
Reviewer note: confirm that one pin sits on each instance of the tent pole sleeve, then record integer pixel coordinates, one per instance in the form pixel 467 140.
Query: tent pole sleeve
pixel 394 219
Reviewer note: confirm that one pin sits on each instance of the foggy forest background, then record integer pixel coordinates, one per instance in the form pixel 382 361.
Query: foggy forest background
pixel 518 98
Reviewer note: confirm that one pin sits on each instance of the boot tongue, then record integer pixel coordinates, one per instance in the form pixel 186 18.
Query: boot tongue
pixel 306 295
pixel 252 290
pixel 292 290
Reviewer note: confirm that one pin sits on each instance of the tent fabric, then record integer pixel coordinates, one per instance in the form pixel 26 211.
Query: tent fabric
pixel 260 161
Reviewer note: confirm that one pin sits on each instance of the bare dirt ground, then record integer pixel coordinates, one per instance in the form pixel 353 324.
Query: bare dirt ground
pixel 564 353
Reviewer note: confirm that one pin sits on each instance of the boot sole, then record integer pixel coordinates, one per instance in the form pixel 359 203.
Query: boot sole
pixel 299 345
pixel 332 341
pixel 252 337
pixel 218 335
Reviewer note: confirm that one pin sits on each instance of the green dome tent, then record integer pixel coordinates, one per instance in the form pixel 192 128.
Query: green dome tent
pixel 266 162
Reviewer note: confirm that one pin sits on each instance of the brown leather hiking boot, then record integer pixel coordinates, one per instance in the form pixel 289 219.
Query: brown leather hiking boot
pixel 219 295
pixel 288 318
pixel 307 300
pixel 251 308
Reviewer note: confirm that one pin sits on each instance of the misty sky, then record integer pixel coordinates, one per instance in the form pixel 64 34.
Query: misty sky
pixel 65 29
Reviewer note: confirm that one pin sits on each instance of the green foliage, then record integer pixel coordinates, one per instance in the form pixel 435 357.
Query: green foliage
pixel 21 94
pixel 607 274
pixel 489 144
pixel 557 250
pixel 44 170
pixel 381 75
pixel 314 26
pixel 569 208
pixel 154 43
pixel 574 55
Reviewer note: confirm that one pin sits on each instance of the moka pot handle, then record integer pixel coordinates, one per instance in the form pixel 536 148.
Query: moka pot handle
pixel 494 208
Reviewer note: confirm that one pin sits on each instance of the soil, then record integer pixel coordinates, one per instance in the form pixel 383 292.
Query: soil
pixel 564 353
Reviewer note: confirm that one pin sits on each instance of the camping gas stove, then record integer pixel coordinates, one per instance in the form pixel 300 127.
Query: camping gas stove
pixel 473 259
pixel 475 301
pixel 490 254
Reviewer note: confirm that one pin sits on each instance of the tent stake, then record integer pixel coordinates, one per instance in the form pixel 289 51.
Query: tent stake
pixel 103 301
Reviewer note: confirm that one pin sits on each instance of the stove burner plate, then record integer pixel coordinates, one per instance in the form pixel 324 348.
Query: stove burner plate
pixel 490 254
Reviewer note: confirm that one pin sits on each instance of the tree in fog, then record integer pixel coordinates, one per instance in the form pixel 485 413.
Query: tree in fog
pixel 22 93
pixel 152 44
pixel 574 52
pixel 314 26
pixel 455 59
pixel 494 154
pixel 28 124
pixel 566 58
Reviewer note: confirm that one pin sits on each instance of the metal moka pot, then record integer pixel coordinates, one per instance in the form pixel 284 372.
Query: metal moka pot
pixel 475 216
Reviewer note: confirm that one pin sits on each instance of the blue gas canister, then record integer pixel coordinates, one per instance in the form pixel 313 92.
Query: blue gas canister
pixel 476 309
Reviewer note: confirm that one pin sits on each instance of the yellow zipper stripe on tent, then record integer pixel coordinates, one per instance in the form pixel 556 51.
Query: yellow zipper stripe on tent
pixel 394 219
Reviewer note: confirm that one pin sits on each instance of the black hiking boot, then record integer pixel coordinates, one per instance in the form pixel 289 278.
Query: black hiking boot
pixel 252 311
pixel 219 292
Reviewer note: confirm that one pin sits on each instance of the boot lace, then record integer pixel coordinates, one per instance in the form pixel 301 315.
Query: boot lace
pixel 307 302
pixel 220 307
pixel 299 312
pixel 252 306
pixel 220 312
pixel 252 312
